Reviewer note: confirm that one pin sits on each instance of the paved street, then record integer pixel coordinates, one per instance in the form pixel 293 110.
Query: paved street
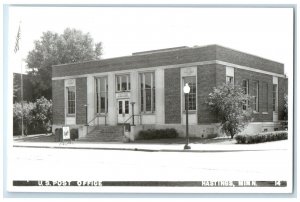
pixel 90 164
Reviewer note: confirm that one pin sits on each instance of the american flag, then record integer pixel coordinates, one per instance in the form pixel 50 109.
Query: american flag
pixel 17 40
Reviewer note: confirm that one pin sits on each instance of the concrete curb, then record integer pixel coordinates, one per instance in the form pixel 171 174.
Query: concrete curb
pixel 146 150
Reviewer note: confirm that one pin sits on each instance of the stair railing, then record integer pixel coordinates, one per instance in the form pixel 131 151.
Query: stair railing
pixel 96 116
pixel 128 124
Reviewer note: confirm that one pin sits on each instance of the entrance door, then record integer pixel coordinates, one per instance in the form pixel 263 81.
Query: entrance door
pixel 123 110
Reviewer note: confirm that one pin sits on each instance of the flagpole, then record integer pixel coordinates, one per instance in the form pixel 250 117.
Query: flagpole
pixel 22 127
pixel 17 48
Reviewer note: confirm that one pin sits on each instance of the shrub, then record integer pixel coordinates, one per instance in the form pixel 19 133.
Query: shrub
pixel 231 105
pixel 157 134
pixel 74 133
pixel 37 117
pixel 262 137
pixel 210 136
pixel 58 134
pixel 27 117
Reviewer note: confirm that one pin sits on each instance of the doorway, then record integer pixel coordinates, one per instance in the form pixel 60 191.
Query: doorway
pixel 123 110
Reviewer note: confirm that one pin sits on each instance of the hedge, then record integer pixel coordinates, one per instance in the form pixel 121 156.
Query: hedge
pixel 58 134
pixel 262 137
pixel 74 133
pixel 157 134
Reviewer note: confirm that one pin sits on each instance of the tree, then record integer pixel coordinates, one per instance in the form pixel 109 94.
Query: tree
pixel 17 117
pixel 42 115
pixel 27 88
pixel 53 49
pixel 230 103
pixel 285 110
pixel 37 116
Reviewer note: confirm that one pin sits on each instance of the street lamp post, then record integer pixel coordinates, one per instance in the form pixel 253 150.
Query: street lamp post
pixel 186 90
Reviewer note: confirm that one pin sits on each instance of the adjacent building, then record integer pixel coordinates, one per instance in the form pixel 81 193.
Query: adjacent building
pixel 149 85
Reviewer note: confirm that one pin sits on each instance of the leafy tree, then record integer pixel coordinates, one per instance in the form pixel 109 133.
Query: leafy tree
pixel 42 115
pixel 17 117
pixel 27 88
pixel 37 116
pixel 285 111
pixel 230 103
pixel 53 49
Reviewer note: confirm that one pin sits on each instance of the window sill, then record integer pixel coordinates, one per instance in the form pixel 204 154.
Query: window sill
pixel 70 115
pixel 101 114
pixel 255 112
pixel 265 113
pixel 190 112
pixel 123 91
pixel 147 113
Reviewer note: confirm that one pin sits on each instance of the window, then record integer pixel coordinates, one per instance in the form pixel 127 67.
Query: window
pixel 275 97
pixel 230 75
pixel 264 100
pixel 229 79
pixel 245 86
pixel 71 100
pixel 101 95
pixel 147 92
pixel 122 83
pixel 191 80
pixel 255 95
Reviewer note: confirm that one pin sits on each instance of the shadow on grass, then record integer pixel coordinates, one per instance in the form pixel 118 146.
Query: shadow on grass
pixel 36 138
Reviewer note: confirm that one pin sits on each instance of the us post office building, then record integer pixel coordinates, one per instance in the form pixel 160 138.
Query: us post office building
pixel 147 88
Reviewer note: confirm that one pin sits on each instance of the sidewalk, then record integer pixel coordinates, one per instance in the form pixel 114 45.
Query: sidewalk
pixel 276 145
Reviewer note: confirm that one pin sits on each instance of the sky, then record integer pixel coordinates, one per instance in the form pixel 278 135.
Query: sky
pixel 265 32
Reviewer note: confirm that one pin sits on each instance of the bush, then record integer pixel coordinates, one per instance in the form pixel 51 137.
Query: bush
pixel 37 117
pixel 210 136
pixel 157 134
pixel 74 133
pixel 262 137
pixel 231 105
pixel 58 134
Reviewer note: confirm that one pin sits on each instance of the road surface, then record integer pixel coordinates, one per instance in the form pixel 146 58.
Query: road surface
pixel 87 164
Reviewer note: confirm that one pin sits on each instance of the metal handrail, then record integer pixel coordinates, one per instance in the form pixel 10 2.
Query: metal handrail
pixel 97 117
pixel 130 118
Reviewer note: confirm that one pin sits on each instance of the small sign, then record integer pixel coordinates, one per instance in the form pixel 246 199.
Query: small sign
pixel 70 82
pixel 123 95
pixel 66 133
pixel 189 71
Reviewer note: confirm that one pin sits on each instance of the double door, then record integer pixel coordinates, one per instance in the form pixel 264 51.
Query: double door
pixel 123 110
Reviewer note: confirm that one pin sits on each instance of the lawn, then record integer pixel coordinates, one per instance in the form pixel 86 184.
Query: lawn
pixel 179 140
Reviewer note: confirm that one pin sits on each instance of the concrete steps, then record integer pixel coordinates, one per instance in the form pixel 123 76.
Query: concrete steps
pixel 105 134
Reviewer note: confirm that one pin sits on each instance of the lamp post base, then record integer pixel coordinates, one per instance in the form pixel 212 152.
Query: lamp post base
pixel 187 147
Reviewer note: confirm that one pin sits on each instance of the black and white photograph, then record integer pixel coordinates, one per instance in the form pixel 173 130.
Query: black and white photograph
pixel 149 99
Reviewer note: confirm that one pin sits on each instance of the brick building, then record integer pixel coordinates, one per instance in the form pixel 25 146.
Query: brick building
pixel 101 92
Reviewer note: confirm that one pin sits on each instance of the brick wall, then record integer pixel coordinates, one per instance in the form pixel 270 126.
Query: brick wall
pixel 172 96
pixel 138 61
pixel 58 102
pixel 81 100
pixel 206 81
pixel 241 75
pixel 244 59
pixel 220 74
pixel 188 55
